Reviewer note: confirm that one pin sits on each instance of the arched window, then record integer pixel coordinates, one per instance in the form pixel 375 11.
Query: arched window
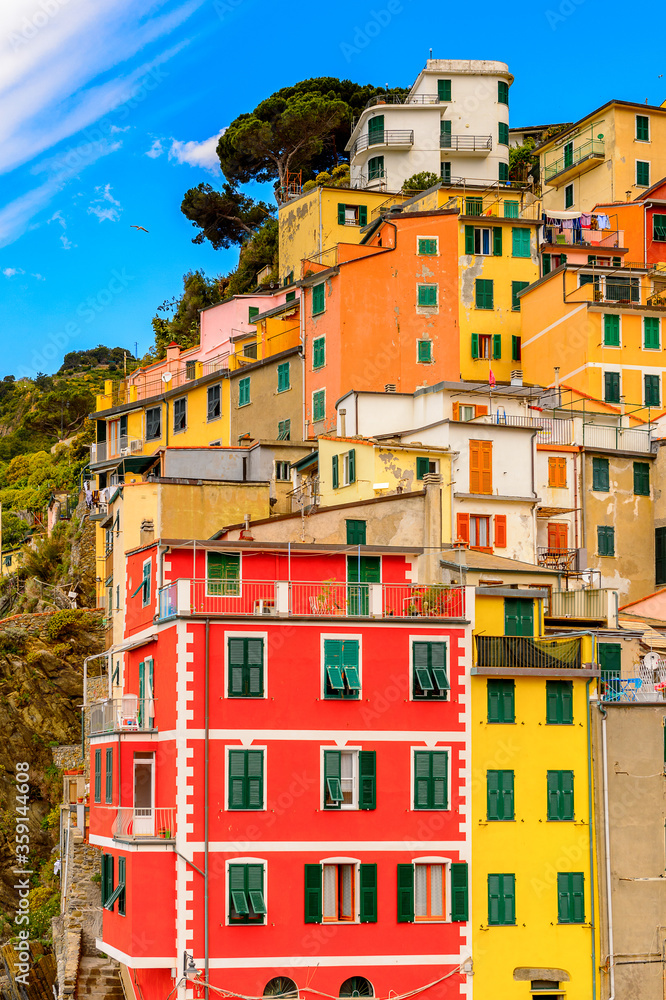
pixel 356 986
pixel 282 987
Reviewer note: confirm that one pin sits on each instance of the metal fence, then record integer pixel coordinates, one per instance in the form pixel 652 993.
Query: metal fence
pixel 519 651
pixel 578 603
pixel 128 713
pixel 150 822
pixel 468 143
pixel 593 148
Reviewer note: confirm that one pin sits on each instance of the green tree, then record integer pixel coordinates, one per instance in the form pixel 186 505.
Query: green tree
pixel 14 529
pixel 421 182
pixel 225 218
pixel 183 327
pixel 521 159
pixel 257 253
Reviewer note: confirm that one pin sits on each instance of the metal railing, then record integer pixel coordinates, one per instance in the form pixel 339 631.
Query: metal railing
pixel 149 383
pixel 327 599
pixel 404 98
pixel 104 451
pixel 616 438
pixel 127 714
pixel 151 822
pixel 561 560
pixel 555 431
pixel 610 238
pixel 518 651
pixel 468 143
pixel 591 604
pixel 383 137
pixel 493 207
pixel 592 149
pixel 508 420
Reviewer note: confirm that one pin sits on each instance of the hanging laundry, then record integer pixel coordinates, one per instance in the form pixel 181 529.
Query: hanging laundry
pixel 603 221
pixel 585 220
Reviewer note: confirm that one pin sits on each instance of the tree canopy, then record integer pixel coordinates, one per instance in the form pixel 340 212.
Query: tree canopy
pixel 225 218
pixel 183 326
pixel 421 182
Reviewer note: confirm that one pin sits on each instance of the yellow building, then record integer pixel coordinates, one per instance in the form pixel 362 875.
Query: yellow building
pixel 612 154
pixel 534 904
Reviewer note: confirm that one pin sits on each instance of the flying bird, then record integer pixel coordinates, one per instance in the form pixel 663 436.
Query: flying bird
pixel 142 228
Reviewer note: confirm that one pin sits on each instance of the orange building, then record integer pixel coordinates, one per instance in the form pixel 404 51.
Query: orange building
pixel 644 223
pixel 383 314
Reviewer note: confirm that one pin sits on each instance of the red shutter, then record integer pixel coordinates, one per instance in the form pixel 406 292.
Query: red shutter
pixel 456 411
pixel 475 466
pixel 462 521
pixel 486 485
pixel 558 537
pixel 500 531
pixel 481 411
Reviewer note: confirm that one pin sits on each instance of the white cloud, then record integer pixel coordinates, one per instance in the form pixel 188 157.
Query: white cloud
pixel 39 277
pixel 197 154
pixel 155 150
pixel 116 128
pixel 105 206
pixel 11 272
pixel 66 244
pixel 57 217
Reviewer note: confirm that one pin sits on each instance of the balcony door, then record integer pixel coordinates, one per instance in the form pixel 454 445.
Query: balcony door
pixel 558 538
pixel 518 617
pixel 144 795
pixel 376 130
pixel 360 573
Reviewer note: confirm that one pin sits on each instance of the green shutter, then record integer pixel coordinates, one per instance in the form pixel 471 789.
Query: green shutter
pixel 642 128
pixel 459 892
pixel 611 330
pixel 109 775
pixel 313 894
pixel 352 465
pixel 503 133
pixel 546 264
pixel 484 293
pixel 431 779
pixel 497 346
pixel 501 701
pixel 503 173
pixel 497 241
pixel 405 894
pixel 376 129
pixel 651 333
pixel 559 703
pixel 318 299
pixel 246 779
pixel 444 91
pixel 571 897
pixel 332 787
pixel 518 617
pixel 642 479
pixel 469 240
pixel 610 660
pixel 341 214
pixel 424 355
pixel 245 668
pixel 652 390
pixel 356 532
pixel 642 173
pixel 501 900
pixel 516 348
pixel 659 228
pixel 362 215
pixel 367 776
pixel 368 893
pixel 122 883
pixel 335 473
pixel 283 377
pixel 600 475
pixel 107 879
pixel 516 289
pixel 98 775
pixel 319 352
pixel 427 295
pixel 422 466
pixel 475 345
pixel 520 242
pixel 511 209
pixel 560 789
pixel 502 92
pixel 500 795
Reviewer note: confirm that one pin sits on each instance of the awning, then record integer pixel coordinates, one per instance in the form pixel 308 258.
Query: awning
pixel 554 511
pixel 561 214
pixel 138 463
pixel 307 462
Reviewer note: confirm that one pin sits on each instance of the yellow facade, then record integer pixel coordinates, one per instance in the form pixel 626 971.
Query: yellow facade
pixel 532 944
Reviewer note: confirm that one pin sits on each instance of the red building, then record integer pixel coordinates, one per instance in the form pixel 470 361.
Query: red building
pixel 279 782
pixel 643 222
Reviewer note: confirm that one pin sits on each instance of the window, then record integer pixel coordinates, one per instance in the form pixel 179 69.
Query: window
pixel 109 894
pixel 122 885
pixel 245 667
pixel 346 889
pixel 652 390
pixel 642 128
pixel 349 467
pixel 288 279
pixel 503 133
pixel 431 779
pixel 445 171
pixel 651 333
pixel 352 215
pixel 429 679
pixel 376 130
pixel 245 789
pixel 610 663
pixel 642 479
pixel 318 299
pixel 427 247
pixel 511 209
pixel 214 408
pixel 319 352
pixel 319 405
pixel 520 242
pixel 341 669
pixel 570 898
pixel 282 987
pixel 612 387
pixel 600 475
pixel 568 155
pixel 290 297
pixel 98 775
pixel 518 617
pixel 107 878
pixel 502 92
pixel 424 352
pixel 356 986
pixel 483 241
pixel 560 785
pixel 516 289
pixel 427 295
pixel 619 289
pixel 473 205
pixel 503 171
pixel 659 228
pixel 559 703
pixel 443 90
pixel 500 795
pixel 356 532
pixel 154 423
pixel 282 471
pixel 109 776
pixel 243 391
pixel 483 293
pixel 424 466
pixel 501 701
pixel 605 540
pixel 375 168
pixel 253 311
pixel 283 377
pixel 501 900
pixel 480 466
pixel 557 473
pixel 335 472
pixel 350 779
pixel 479 532
pixel 482 345
pixel 611 330
pixel 429 892
pixel 246 894
pixel 422 891
pixel 642 173
pixel 568 196
pixel 660 555
pixel 179 415
pixel 222 574
pixel 145 584
pixel 284 430
pixel 190 370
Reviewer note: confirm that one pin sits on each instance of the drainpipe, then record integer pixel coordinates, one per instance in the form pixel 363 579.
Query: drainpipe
pixel 591 827
pixel 609 903
pixel 206 804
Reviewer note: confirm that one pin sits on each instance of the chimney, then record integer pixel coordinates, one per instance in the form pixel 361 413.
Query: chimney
pixel 172 352
pixel 146 532
pixel 343 423
pixel 517 377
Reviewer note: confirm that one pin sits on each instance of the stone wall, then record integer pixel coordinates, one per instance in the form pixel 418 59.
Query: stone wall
pixel 68 757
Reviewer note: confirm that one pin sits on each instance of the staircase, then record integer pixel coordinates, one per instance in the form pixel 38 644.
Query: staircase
pixel 98 979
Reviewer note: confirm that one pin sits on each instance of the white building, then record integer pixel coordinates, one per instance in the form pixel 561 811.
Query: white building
pixel 454 123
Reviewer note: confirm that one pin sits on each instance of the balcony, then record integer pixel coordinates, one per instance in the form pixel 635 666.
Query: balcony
pixel 575 162
pixel 128 714
pixel 579 605
pixel 478 206
pixel 404 99
pixel 466 143
pixel 384 137
pixel 106 451
pixel 588 238
pixel 503 652
pixel 330 599
pixel 609 437
pixel 561 560
pixel 149 823
pixel 648 686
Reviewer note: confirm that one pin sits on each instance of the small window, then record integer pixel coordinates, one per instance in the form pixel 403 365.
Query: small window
pixel 503 171
pixel 284 430
pixel 557 473
pixel 349 779
pixel 642 128
pixel 605 540
pixel 283 377
pixel 352 215
pixel 145 584
pixel 283 471
pixel 122 879
pixel 349 467
pixel 479 532
pixel 425 893
pixel 424 466
pixel 651 333
pixel 652 390
pixel 502 92
pixel 98 775
pixel 427 296
pixel 243 391
pixel 482 345
pixel 611 330
pixel 642 173
pixel 319 405
pixel 427 247
pixel 484 293
pixel 511 209
pixel 424 352
pixel 222 574
pixel 319 352
pixel 431 779
pixel 375 168
pixel 600 475
pixel 500 806
pixel 612 387
pixel 503 133
pixel 341 669
pixel 180 415
pixel 429 674
pixel 318 299
pixel 516 289
pixel 109 776
pixel 520 242
pixel 245 789
pixel 501 701
pixel 252 311
pixel 245 667
pixel 568 196
pixel 214 408
pixel 190 370
pixel 290 297
pixel 659 228
pixel 445 170
pixel 281 987
pixel 356 532
pixel 444 91
pixel 501 900
pixel 570 898
pixel 356 986
pixel 429 891
pixel 246 894
pixel 516 348
pixel 641 479
pixel 559 703
pixel 560 786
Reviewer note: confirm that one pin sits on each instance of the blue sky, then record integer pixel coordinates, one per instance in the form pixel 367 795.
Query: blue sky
pixel 112 108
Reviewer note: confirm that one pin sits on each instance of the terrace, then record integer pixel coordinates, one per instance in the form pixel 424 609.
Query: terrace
pixel 499 654
pixel 127 714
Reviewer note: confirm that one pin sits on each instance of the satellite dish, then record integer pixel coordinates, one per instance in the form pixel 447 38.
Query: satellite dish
pixel 167 376
pixel 651 660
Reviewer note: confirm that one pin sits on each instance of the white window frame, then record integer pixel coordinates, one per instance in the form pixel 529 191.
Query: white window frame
pixel 649 183
pixel 264 750
pixel 649 138
pixel 355 889
pixel 340 637
pixel 244 861
pixel 412 783
pixel 480 230
pixel 654 350
pixel 616 369
pixel 217 385
pixel 430 637
pixel 446 885
pixel 146 603
pixel 282 479
pixel 467 406
pixel 354 807
pixel 181 399
pixel 616 347
pixel 245 634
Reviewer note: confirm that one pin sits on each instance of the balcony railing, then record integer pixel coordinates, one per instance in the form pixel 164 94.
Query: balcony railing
pixel 592 149
pixel 383 137
pixel 561 560
pixel 520 652
pixel 404 99
pixel 555 431
pixel 616 438
pixel 578 604
pixel 587 237
pixel 125 446
pixel 150 823
pixel 509 420
pixel 466 143
pixel 127 714
pixel 328 599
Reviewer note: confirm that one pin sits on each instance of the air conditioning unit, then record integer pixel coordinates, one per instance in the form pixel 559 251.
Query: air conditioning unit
pixel 124 451
pixel 136 445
